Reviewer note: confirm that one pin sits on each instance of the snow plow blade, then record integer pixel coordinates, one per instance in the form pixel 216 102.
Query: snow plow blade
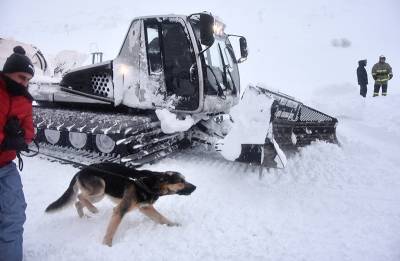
pixel 297 125
pixel 292 125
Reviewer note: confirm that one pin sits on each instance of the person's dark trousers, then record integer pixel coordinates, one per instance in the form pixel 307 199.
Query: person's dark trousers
pixel 363 90
pixel 12 213
pixel 377 88
pixel 384 89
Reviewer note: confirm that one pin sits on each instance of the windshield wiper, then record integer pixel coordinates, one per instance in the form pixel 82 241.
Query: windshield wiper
pixel 220 92
pixel 234 91
pixel 225 76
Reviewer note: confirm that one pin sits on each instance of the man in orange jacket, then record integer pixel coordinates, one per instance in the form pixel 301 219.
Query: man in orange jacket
pixel 16 131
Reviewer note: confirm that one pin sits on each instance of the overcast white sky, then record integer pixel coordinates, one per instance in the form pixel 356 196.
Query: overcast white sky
pixel 290 41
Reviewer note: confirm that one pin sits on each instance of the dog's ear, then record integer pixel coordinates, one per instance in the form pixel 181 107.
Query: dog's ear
pixel 170 173
pixel 175 174
pixel 172 177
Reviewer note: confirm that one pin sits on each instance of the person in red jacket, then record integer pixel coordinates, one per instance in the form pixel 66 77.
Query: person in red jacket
pixel 16 131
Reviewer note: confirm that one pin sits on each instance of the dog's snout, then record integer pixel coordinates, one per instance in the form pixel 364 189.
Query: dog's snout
pixel 191 188
pixel 187 190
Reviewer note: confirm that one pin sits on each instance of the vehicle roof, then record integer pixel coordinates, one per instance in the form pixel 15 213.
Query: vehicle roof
pixel 160 16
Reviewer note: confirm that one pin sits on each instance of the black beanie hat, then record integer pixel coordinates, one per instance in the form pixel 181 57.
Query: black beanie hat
pixel 18 62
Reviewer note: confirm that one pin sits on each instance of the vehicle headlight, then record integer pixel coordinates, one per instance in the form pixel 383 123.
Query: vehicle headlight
pixel 218 28
pixel 123 69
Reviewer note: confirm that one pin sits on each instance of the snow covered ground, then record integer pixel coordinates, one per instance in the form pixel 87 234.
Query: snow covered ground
pixel 329 203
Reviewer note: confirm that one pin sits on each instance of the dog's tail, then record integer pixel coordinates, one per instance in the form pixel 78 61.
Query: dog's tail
pixel 66 198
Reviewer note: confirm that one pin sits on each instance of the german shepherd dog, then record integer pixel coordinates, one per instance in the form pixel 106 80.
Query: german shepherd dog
pixel 128 188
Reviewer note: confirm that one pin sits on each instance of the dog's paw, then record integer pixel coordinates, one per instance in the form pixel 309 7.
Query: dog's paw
pixel 95 211
pixel 174 224
pixel 107 242
pixel 80 213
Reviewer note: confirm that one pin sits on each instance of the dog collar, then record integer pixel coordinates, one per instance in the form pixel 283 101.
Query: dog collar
pixel 140 184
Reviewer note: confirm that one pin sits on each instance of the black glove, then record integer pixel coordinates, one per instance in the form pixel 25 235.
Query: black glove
pixel 390 76
pixel 13 128
pixel 17 144
pixel 374 77
pixel 14 136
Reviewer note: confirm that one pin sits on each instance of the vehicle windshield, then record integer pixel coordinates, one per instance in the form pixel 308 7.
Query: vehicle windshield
pixel 221 74
pixel 222 69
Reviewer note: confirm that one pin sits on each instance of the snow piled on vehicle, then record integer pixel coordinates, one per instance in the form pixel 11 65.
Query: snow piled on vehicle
pixel 67 60
pixel 252 113
pixel 170 123
pixel 251 125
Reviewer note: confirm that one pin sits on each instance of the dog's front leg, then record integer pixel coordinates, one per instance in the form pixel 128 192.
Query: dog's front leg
pixel 154 215
pixel 127 203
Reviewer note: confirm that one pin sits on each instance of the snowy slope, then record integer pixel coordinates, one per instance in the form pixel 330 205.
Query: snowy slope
pixel 329 203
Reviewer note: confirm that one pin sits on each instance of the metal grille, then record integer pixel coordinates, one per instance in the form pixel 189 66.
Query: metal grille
pixel 286 107
pixel 308 114
pixel 102 85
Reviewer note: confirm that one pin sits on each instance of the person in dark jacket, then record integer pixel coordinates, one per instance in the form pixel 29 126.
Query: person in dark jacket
pixel 362 77
pixel 16 131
